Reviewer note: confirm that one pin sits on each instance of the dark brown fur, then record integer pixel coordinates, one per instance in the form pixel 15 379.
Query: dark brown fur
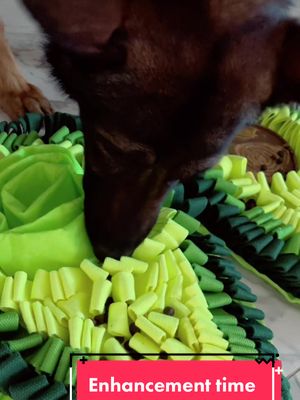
pixel 163 86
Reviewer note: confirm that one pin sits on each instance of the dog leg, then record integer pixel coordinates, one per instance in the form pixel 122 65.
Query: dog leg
pixel 17 96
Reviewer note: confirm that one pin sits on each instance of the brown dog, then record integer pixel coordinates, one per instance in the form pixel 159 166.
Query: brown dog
pixel 163 86
pixel 16 95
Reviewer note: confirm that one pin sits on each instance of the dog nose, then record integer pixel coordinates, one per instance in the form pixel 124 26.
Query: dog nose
pixel 118 217
pixel 120 208
pixel 102 251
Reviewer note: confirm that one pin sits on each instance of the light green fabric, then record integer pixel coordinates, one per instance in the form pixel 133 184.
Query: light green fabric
pixel 4 397
pixel 41 224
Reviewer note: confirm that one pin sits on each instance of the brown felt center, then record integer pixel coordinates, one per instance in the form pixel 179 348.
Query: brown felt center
pixel 265 151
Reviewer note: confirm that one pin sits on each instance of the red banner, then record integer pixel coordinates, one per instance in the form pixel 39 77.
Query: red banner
pixel 178 380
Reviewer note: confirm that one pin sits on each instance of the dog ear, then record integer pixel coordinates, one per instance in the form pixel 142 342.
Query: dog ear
pixel 80 25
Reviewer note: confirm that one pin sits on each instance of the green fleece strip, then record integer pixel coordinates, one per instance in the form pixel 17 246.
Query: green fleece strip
pixel 4 397
pixel 232 331
pixel 168 200
pixel 188 222
pixel 203 185
pixel 194 207
pixel 53 355
pixel 30 138
pixel 19 141
pixel 4 351
pixel 75 136
pixel 63 365
pixel 256 330
pixel 254 234
pixel 56 391
pixel 292 246
pixel 221 317
pixel 216 249
pixel 293 275
pixel 271 226
pixel 210 285
pixel 203 272
pixel 230 200
pixel 11 369
pixel 243 311
pixel 284 263
pixel 9 321
pixel 178 198
pixel 225 211
pixel 241 341
pixel 75 359
pixel 38 358
pixel 266 347
pixel 60 135
pixel 253 213
pixel 213 173
pixel 33 121
pixel 284 231
pixel 288 296
pixel 193 253
pixel 235 222
pixel 225 186
pixel 26 343
pixel 272 250
pixel 263 218
pixel 214 240
pixel 248 227
pixel 223 267
pixel 216 300
pixel 9 141
pixel 242 349
pixel 285 389
pixel 26 390
pixel 216 197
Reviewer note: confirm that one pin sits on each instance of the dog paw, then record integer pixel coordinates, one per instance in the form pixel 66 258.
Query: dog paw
pixel 29 99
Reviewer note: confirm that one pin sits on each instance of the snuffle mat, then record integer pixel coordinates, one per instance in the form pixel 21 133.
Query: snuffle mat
pixel 179 292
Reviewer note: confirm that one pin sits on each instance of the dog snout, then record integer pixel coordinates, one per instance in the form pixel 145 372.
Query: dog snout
pixel 120 210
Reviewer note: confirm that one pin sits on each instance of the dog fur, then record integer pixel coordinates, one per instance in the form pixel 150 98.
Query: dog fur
pixel 163 87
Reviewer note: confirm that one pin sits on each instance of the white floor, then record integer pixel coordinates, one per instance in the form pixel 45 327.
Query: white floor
pixel 24 38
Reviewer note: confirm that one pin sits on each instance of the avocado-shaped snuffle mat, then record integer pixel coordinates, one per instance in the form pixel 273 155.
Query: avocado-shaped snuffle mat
pixel 179 291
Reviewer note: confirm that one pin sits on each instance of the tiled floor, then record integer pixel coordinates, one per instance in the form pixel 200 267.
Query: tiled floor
pixel 25 38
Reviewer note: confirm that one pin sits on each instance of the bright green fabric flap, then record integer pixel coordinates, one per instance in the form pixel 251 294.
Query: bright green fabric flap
pixel 41 210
